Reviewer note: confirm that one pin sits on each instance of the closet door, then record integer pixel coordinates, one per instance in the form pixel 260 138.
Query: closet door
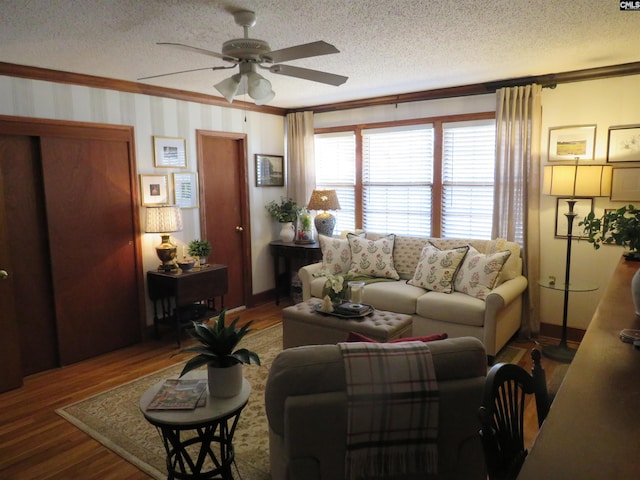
pixel 92 241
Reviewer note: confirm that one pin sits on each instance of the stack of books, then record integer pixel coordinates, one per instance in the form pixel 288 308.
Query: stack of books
pixel 176 394
pixel 349 308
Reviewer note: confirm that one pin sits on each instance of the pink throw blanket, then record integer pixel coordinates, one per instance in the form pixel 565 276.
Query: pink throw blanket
pixel 392 402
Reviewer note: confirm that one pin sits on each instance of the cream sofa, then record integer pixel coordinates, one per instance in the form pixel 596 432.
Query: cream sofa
pixel 306 406
pixel 493 320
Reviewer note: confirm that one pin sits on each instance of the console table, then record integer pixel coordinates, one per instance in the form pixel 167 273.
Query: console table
pixel 172 292
pixel 593 427
pixel 307 253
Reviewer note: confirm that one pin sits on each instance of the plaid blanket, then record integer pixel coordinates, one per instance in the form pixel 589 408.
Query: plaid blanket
pixel 392 402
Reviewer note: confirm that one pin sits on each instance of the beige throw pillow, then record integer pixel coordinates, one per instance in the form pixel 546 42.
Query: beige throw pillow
pixel 479 272
pixel 372 257
pixel 336 255
pixel 436 269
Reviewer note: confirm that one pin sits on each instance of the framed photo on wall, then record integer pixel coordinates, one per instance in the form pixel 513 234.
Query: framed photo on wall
pixel 572 143
pixel 170 152
pixel 155 190
pixel 269 170
pixel 185 189
pixel 623 144
pixel 625 185
pixel 583 206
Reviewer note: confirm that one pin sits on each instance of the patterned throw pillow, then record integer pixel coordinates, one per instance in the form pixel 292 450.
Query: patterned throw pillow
pixel 479 272
pixel 336 255
pixel 436 269
pixel 372 257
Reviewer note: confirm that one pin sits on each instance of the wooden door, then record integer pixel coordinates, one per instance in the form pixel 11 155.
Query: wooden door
pixel 224 209
pixel 92 236
pixel 26 247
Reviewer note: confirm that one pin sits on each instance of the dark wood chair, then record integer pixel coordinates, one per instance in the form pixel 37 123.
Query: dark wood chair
pixel 502 415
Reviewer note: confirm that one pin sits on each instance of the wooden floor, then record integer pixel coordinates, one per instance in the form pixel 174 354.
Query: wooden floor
pixel 36 443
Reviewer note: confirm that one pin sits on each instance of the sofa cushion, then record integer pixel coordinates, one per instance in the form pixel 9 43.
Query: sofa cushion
pixel 396 296
pixel 358 337
pixel 453 307
pixel 436 269
pixel 479 272
pixel 372 257
pixel 336 255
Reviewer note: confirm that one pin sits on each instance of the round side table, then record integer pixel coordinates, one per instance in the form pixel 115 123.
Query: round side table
pixel 198 442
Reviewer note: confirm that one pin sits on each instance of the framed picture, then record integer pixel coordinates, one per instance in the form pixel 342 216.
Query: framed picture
pixel 269 170
pixel 572 143
pixel 185 189
pixel 583 206
pixel 155 189
pixel 625 185
pixel 623 144
pixel 170 152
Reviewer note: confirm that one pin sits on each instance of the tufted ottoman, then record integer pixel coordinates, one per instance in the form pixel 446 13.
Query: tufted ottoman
pixel 302 325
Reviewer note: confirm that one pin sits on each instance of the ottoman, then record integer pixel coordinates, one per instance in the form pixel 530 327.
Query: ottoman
pixel 302 325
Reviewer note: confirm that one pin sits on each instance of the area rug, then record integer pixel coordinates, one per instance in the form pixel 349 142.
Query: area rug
pixel 114 419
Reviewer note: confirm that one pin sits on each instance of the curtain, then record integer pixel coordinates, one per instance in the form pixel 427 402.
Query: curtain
pixel 516 215
pixel 300 159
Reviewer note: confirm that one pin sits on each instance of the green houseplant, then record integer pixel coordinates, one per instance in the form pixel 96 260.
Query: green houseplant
pixel 285 211
pixel 218 351
pixel 200 249
pixel 615 227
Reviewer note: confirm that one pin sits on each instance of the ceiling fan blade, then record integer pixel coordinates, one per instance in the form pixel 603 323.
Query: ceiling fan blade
pixel 312 49
pixel 308 74
pixel 182 71
pixel 189 48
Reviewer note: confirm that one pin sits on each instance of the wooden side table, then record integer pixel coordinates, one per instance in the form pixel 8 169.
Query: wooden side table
pixel 307 253
pixel 210 433
pixel 172 291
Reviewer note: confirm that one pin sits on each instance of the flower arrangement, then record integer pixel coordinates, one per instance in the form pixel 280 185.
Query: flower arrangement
pixel 285 211
pixel 615 227
pixel 334 288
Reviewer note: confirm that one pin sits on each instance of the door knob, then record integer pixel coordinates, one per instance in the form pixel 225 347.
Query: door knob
pixel 3 274
pixel 239 229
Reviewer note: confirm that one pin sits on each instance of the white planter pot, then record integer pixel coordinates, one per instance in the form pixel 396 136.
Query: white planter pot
pixel 287 232
pixel 225 382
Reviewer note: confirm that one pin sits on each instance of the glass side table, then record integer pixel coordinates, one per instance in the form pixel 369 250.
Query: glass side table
pixel 562 352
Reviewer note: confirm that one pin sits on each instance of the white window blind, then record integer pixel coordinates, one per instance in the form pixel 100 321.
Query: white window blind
pixel 335 159
pixel 398 179
pixel 468 179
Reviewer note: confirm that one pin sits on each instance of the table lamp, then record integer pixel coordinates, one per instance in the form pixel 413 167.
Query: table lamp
pixel 324 200
pixel 164 220
pixel 572 181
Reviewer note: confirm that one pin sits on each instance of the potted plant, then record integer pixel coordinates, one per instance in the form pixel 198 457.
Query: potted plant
pixel 217 350
pixel 615 227
pixel 200 249
pixel 285 212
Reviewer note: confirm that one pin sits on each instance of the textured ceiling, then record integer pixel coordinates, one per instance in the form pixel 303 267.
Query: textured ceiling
pixel 387 46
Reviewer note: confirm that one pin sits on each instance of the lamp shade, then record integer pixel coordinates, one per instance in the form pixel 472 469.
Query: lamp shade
pixel 163 219
pixel 577 180
pixel 324 200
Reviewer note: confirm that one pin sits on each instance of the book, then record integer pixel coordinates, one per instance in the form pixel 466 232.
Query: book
pixel 352 308
pixel 176 394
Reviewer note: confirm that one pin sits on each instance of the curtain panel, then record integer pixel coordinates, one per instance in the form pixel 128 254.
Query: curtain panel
pixel 300 159
pixel 517 186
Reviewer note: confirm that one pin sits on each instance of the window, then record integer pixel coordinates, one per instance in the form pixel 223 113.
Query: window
pixel 407 185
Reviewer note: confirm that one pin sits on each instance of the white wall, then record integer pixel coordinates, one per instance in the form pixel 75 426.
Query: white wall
pixel 164 117
pixel 604 103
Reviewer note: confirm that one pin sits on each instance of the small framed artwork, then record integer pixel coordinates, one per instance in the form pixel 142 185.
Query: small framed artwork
pixel 625 185
pixel 572 143
pixel 155 189
pixel 583 206
pixel 170 152
pixel 624 144
pixel 185 189
pixel 269 170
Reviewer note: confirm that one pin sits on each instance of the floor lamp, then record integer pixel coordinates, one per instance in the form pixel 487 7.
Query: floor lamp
pixel 572 181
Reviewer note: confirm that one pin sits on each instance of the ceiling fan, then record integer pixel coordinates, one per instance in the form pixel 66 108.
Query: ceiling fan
pixel 249 54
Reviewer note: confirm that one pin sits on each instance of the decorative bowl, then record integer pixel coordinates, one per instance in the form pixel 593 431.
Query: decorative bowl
pixel 186 264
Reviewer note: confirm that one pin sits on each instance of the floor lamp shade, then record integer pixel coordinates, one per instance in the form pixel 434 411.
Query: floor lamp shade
pixel 324 200
pixel 164 220
pixel 572 181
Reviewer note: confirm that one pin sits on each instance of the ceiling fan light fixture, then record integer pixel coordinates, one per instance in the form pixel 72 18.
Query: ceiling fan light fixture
pixel 229 87
pixel 259 87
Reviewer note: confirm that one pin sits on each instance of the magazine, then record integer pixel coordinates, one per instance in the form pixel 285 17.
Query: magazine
pixel 178 394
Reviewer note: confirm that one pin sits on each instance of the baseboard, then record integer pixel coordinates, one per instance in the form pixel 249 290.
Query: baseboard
pixel 555 331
